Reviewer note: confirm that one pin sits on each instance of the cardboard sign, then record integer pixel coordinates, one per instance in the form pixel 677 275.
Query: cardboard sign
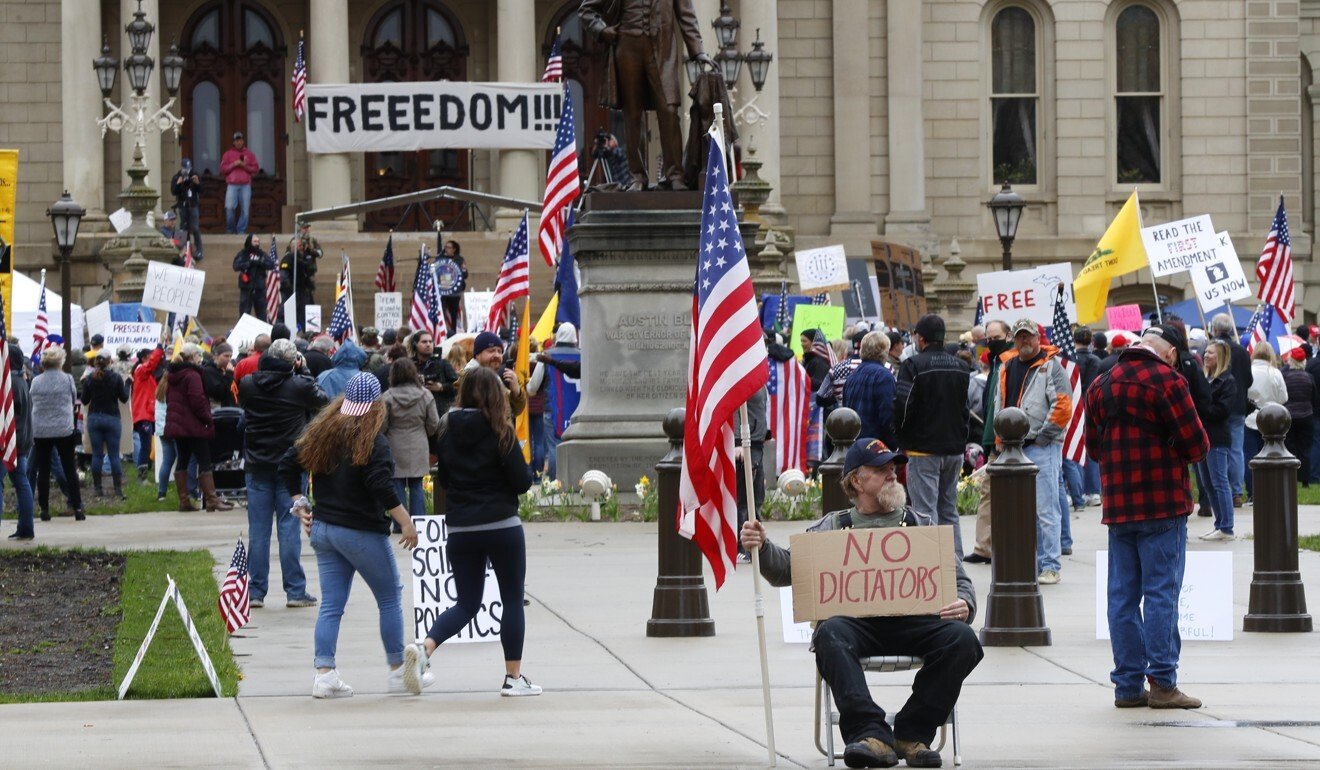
pixel 1221 281
pixel 173 289
pixel 823 269
pixel 135 335
pixel 1125 317
pixel 246 330
pixel 389 310
pixel 476 308
pixel 434 590
pixel 863 573
pixel 1178 246
pixel 827 318
pixel 1205 605
pixel 98 317
pixel 312 315
pixel 1008 295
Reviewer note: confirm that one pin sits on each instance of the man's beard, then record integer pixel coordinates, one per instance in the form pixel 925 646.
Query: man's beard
pixel 891 497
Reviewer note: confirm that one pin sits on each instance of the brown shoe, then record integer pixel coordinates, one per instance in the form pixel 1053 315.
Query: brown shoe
pixel 181 484
pixel 869 752
pixel 917 754
pixel 1238 501
pixel 1171 698
pixel 1131 703
pixel 213 501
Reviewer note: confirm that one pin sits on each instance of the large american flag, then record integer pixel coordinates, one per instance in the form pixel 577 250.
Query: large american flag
pixel 726 366
pixel 554 66
pixel 385 272
pixel 790 407
pixel 515 273
pixel 273 284
pixel 1074 446
pixel 425 311
pixel 299 85
pixel 234 606
pixel 1274 269
pixel 41 327
pixel 562 185
pixel 8 428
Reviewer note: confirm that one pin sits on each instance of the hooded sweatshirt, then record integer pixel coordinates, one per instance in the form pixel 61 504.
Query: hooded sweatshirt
pixel 346 362
pixel 481 482
pixel 412 417
pixel 277 405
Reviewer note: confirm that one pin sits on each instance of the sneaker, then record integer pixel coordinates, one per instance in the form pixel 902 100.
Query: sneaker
pixel 414 667
pixel 1237 501
pixel 1048 578
pixel 1077 507
pixel 1171 698
pixel 256 604
pixel 1065 551
pixel 976 558
pixel 329 685
pixel 395 681
pixel 1217 536
pixel 306 600
pixel 869 752
pixel 917 754
pixel 17 536
pixel 1131 703
pixel 1092 500
pixel 514 688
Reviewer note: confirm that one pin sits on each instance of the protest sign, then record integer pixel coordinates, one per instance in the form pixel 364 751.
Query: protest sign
pixel 1012 294
pixel 173 289
pixel 829 319
pixel 434 590
pixel 246 330
pixel 476 307
pixel 389 310
pixel 121 220
pixel 863 573
pixel 98 316
pixel 1205 605
pixel 1125 317
pixel 312 315
pixel 1177 246
pixel 794 633
pixel 1220 281
pixel 134 335
pixel 823 269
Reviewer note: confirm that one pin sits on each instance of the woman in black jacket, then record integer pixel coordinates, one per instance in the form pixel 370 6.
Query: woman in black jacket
pixel 251 264
pixel 348 456
pixel 482 470
pixel 103 391
pixel 1214 418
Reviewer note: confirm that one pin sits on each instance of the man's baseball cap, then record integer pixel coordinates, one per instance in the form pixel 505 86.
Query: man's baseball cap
pixel 1297 353
pixel 872 452
pixel 1025 325
pixel 1169 334
pixel 1119 340
pixel 169 215
pixel 238 134
pixel 361 393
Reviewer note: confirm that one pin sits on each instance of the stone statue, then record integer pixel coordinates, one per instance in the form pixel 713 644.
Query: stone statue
pixel 645 72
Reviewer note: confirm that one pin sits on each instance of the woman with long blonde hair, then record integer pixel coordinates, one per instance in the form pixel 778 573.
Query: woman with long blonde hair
pixel 1223 394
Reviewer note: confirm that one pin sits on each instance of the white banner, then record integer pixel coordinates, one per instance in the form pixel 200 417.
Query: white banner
pixel 1008 295
pixel 821 270
pixel 476 305
pixel 1221 281
pixel 135 335
pixel 173 289
pixel 428 115
pixel 389 310
pixel 434 590
pixel 1177 246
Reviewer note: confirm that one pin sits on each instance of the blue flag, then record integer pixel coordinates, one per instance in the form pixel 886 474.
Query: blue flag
pixel 566 282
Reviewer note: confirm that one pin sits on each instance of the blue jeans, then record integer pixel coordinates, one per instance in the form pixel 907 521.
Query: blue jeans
pixel 1065 515
pixel 1237 465
pixel 267 498
pixel 23 490
pixel 103 430
pixel 168 452
pixel 552 444
pixel 1221 498
pixel 340 552
pixel 1072 475
pixel 1252 443
pixel 1146 560
pixel 1048 519
pixel 1091 477
pixel 536 430
pixel 932 484
pixel 412 495
pixel 237 196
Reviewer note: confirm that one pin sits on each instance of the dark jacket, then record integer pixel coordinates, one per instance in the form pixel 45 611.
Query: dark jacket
pixel 22 401
pixel 869 391
pixel 437 369
pixel 1088 366
pixel 104 395
pixel 1303 397
pixel 1199 386
pixel 218 384
pixel 1222 403
pixel 481 482
pixel 1240 367
pixel 186 191
pixel 317 362
pixel 188 410
pixel 352 496
pixel 251 264
pixel 930 406
pixel 277 404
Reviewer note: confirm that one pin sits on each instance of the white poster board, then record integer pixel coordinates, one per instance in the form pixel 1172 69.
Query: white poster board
pixel 312 315
pixel 173 289
pixel 1177 246
pixel 476 305
pixel 823 269
pixel 434 590
pixel 794 633
pixel 1205 606
pixel 389 310
pixel 246 330
pixel 135 335
pixel 1221 281
pixel 121 220
pixel 1008 295
pixel 98 317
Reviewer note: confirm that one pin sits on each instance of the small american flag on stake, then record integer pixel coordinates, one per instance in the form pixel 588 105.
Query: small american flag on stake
pixel 554 65
pixel 299 84
pixel 234 607
pixel 1074 448
pixel 515 276
pixel 1274 269
pixel 385 272
pixel 272 284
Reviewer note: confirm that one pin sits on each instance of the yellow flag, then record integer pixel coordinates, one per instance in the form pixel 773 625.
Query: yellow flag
pixel 545 328
pixel 522 367
pixel 1119 252
pixel 8 201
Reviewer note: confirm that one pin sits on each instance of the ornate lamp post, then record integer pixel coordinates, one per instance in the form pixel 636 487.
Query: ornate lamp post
pixel 1007 207
pixel 66 215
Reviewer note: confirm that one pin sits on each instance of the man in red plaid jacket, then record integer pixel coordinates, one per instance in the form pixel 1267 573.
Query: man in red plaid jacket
pixel 1142 427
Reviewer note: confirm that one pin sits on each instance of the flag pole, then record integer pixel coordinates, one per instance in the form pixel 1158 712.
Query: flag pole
pixel 759 601
pixel 1154 290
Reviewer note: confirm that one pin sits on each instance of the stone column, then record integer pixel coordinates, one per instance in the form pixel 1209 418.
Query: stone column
pixel 519 170
pixel 127 139
pixel 327 60
pixel 854 220
pixel 764 136
pixel 84 170
pixel 908 218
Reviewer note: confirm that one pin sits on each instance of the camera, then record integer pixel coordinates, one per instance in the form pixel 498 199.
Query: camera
pixel 600 144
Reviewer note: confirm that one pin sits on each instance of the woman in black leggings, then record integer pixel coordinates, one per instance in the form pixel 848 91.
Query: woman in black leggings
pixel 482 471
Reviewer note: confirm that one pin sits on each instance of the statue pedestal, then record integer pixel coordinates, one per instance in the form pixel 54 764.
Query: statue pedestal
pixel 636 253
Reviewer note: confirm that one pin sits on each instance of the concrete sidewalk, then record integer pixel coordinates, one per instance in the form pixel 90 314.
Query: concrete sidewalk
pixel 614 698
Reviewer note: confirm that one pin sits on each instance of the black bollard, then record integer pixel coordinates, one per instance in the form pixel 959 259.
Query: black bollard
pixel 437 496
pixel 1278 597
pixel 842 426
pixel 1015 610
pixel 679 606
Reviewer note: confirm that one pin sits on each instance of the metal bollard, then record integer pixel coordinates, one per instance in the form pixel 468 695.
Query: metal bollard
pixel 680 606
pixel 1015 610
pixel 1278 596
pixel 437 496
pixel 842 426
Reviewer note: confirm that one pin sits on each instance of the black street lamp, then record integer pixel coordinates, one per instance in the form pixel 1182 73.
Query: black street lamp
pixel 758 62
pixel 107 69
pixel 1006 207
pixel 65 215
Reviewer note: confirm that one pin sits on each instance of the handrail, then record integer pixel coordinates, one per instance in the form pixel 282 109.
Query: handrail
pixel 454 193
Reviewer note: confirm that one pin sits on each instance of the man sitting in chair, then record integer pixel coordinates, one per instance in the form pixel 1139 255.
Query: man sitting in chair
pixel 946 643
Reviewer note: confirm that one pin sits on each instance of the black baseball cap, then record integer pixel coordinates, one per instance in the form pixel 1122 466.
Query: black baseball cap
pixel 872 452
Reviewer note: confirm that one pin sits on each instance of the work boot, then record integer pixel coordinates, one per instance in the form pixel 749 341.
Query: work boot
pixel 213 502
pixel 869 752
pixel 1130 703
pixel 1171 698
pixel 118 481
pixel 917 754
pixel 181 484
pixel 97 491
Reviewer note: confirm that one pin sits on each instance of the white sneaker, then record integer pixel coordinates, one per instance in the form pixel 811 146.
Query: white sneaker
pixel 329 685
pixel 1093 500
pixel 1048 578
pixel 1217 536
pixel 414 667
pixel 514 688
pixel 396 681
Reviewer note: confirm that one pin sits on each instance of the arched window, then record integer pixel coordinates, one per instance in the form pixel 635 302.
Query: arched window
pixel 206 127
pixel 1138 96
pixel 1014 96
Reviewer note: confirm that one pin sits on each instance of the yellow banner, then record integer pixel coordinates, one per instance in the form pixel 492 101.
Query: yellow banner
pixel 8 202
pixel 522 365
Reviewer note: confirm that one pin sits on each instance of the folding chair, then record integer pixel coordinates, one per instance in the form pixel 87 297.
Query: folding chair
pixel 881 664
